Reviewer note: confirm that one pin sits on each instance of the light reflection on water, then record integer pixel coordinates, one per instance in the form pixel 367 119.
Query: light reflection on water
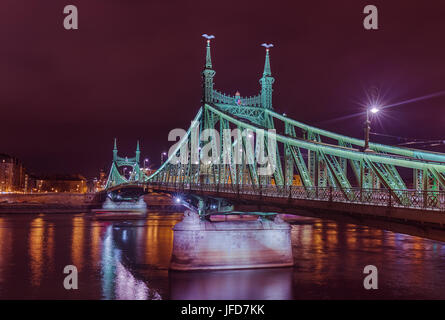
pixel 258 284
pixel 129 260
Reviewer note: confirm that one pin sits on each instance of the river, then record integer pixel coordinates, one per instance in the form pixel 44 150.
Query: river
pixel 129 260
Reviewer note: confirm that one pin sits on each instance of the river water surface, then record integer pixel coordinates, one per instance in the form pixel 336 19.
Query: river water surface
pixel 129 260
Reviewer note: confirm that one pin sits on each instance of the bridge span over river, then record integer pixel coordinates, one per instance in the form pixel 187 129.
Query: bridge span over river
pixel 307 168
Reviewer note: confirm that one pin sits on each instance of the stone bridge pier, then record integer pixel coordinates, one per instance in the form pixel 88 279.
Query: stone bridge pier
pixel 204 245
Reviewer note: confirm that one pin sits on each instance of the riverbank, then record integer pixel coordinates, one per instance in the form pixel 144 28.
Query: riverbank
pixel 47 202
pixel 73 203
pixel 43 208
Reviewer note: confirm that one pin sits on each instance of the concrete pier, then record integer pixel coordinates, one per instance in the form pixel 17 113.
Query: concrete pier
pixel 123 205
pixel 205 245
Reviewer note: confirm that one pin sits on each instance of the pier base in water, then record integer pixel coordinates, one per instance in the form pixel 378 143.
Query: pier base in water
pixel 205 245
pixel 123 205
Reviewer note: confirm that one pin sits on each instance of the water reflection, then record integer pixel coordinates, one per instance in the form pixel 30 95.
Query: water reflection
pixel 118 282
pixel 77 242
pixel 108 257
pixel 5 250
pixel 95 245
pixel 36 237
pixel 409 266
pixel 130 288
pixel 256 284
pixel 129 260
pixel 50 246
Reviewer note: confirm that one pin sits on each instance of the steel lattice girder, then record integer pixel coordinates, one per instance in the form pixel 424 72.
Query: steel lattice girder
pixel 382 165
pixel 408 152
pixel 115 178
pixel 327 163
pixel 339 151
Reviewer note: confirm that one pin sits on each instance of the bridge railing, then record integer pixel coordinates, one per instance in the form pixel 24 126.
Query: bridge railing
pixel 414 199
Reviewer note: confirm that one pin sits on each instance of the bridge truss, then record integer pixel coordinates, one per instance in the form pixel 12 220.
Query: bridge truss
pixel 307 162
pixel 310 163
pixel 116 177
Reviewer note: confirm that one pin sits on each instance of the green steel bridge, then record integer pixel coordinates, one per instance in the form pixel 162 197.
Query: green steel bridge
pixel 311 168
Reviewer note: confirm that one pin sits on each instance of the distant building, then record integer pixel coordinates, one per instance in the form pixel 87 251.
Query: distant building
pixel 102 181
pixel 13 177
pixel 61 183
pixel 98 183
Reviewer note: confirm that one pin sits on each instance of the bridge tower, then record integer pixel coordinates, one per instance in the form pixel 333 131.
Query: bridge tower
pixel 207 76
pixel 232 103
pixel 115 150
pixel 266 82
pixel 136 174
pixel 138 153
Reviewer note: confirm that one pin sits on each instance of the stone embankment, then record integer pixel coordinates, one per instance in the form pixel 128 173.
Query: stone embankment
pixel 74 202
pixel 47 202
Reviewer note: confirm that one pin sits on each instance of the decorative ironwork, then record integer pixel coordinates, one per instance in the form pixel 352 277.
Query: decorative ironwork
pixel 115 178
pixel 335 169
pixel 428 200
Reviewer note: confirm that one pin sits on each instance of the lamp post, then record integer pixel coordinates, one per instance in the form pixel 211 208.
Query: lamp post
pixel 373 110
pixel 163 154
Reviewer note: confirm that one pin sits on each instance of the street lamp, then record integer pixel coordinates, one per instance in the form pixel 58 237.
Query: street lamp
pixel 163 154
pixel 373 110
pixel 145 161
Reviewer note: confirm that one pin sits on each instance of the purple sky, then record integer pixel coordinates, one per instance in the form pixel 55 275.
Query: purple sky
pixel 132 70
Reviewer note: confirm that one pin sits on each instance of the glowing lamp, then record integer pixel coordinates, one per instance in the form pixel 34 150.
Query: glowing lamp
pixel 374 110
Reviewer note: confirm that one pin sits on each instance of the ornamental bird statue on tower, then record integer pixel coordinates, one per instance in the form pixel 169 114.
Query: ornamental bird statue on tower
pixel 208 73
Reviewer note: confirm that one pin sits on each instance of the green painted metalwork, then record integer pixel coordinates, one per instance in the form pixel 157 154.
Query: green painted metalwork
pixel 334 162
pixel 266 82
pixel 233 102
pixel 136 174
pixel 407 152
pixel 208 73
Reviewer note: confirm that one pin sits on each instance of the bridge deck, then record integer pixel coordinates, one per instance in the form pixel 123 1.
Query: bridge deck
pixel 425 206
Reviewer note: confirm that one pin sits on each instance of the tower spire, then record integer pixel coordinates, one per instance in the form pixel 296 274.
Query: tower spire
pixel 267 80
pixel 267 71
pixel 208 56
pixel 138 152
pixel 208 73
pixel 115 150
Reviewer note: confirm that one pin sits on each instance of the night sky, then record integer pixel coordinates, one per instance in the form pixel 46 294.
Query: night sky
pixel 133 71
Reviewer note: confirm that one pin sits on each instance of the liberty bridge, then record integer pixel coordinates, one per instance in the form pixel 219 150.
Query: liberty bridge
pixel 315 170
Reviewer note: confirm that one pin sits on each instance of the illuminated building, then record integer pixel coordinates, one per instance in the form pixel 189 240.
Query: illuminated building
pixel 61 183
pixel 97 184
pixel 13 177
